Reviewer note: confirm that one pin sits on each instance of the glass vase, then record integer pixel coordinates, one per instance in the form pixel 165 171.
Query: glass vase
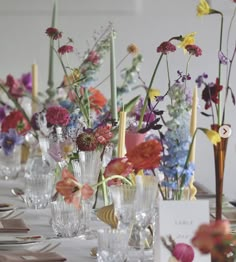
pixel 87 171
pixel 219 159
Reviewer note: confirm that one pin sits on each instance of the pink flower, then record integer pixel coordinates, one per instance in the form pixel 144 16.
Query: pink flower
pixel 54 33
pixel 65 49
pixel 57 115
pixel 166 47
pixel 103 134
pixel 118 166
pixel 194 50
pixel 93 57
pixel 15 89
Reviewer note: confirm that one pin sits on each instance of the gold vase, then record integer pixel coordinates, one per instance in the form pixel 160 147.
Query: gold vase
pixel 219 158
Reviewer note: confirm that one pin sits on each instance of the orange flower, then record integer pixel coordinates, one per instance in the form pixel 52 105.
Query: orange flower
pixel 145 155
pixel 72 190
pixel 97 99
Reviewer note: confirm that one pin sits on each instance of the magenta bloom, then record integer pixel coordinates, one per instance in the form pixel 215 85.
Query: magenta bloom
pixel 166 47
pixel 54 33
pixel 194 50
pixel 93 57
pixel 57 115
pixel 15 89
pixel 103 134
pixel 65 49
pixel 118 166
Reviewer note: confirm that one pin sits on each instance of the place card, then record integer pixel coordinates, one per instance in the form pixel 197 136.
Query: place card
pixel 178 221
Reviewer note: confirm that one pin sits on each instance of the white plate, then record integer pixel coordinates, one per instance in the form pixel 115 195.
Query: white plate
pixel 19 242
pixel 5 207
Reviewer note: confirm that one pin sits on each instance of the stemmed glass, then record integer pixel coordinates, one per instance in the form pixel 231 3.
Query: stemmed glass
pixel 146 196
pixel 123 199
pixel 86 170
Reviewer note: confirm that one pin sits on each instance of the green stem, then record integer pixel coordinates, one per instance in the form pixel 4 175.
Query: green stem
pixel 186 72
pixel 168 72
pixel 147 94
pixel 113 177
pixel 219 68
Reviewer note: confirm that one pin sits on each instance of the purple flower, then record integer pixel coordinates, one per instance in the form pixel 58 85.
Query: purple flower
pixel 9 140
pixel 2 113
pixel 200 79
pixel 223 59
pixel 26 80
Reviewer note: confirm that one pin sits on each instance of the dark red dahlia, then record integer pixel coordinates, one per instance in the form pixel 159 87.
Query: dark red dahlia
pixel 86 142
pixel 166 47
pixel 54 33
pixel 57 115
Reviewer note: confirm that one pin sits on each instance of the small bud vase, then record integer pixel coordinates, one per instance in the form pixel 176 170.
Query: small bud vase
pixel 219 159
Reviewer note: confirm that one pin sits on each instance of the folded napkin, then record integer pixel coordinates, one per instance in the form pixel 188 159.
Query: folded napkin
pixel 28 256
pixel 13 226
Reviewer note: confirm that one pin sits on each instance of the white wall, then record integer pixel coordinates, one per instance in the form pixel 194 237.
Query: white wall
pixel 144 22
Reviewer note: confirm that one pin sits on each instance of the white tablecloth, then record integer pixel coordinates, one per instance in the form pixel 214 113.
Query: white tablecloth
pixel 73 249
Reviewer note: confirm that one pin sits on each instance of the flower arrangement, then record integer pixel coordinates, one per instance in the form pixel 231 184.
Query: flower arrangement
pixel 212 91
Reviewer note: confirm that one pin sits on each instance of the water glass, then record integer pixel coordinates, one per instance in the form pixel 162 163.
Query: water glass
pixel 66 219
pixel 10 165
pixel 112 245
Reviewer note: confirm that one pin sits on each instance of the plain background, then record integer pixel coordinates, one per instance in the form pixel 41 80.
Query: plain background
pixel 146 23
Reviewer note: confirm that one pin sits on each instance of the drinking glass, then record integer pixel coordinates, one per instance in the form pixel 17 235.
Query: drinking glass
pixel 123 197
pixel 39 183
pixel 86 170
pixel 66 219
pixel 145 207
pixel 112 245
pixel 10 165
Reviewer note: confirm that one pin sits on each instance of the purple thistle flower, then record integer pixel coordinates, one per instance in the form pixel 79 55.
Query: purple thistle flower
pixel 9 140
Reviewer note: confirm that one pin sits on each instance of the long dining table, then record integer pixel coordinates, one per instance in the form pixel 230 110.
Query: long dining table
pixel 73 249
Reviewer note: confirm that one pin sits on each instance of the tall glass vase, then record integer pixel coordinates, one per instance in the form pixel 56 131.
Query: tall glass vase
pixel 87 171
pixel 219 158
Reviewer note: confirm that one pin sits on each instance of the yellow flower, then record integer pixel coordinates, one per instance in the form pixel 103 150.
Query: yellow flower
pixel 212 135
pixel 187 40
pixel 153 93
pixel 203 8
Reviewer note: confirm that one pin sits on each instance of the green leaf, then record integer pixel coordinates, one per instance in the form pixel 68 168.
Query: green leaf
pixel 128 107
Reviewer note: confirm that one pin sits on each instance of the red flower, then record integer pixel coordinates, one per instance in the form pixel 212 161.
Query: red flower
pixel 211 93
pixel 103 134
pixel 145 155
pixel 96 99
pixel 194 50
pixel 166 47
pixel 65 49
pixel 57 115
pixel 118 166
pixel 54 33
pixel 17 121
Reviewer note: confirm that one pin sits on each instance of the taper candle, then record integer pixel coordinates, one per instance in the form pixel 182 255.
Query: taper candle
pixel 34 87
pixel 113 77
pixel 193 123
pixel 121 134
